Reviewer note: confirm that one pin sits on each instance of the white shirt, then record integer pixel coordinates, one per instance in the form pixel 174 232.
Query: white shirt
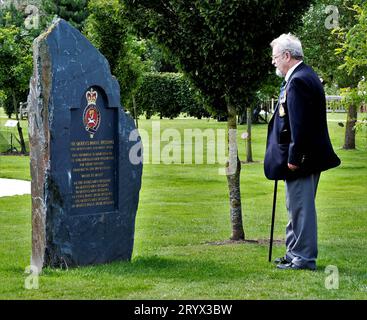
pixel 290 71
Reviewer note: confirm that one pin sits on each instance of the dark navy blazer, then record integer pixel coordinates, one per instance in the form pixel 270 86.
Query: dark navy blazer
pixel 297 132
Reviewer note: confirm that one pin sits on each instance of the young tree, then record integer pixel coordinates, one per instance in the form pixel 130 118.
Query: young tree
pixel 223 48
pixel 354 50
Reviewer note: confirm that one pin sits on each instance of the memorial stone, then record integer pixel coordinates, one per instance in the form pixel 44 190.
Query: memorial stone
pixel 85 189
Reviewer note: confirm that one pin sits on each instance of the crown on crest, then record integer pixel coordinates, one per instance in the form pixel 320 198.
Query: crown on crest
pixel 91 96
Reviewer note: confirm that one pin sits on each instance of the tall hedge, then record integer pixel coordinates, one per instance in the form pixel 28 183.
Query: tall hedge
pixel 167 95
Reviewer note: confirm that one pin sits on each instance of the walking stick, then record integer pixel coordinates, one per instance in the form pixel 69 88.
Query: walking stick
pixel 273 218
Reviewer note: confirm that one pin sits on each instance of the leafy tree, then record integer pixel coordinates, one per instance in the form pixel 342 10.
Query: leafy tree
pixel 157 58
pixel 354 50
pixel 15 69
pixel 107 29
pixel 193 102
pixel 322 33
pixel 15 60
pixel 223 48
pixel 73 11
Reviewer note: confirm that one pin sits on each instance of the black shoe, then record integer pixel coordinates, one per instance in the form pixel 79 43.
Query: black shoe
pixel 282 260
pixel 292 266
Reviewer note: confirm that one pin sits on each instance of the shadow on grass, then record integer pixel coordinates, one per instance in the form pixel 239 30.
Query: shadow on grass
pixel 184 266
pixel 247 241
pixel 158 267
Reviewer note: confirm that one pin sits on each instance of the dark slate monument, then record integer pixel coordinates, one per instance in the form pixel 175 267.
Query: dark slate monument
pixel 85 189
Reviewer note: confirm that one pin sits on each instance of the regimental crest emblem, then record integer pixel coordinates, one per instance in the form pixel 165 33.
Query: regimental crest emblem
pixel 91 114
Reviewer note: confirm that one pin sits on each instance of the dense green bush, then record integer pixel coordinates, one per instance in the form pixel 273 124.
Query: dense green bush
pixel 167 95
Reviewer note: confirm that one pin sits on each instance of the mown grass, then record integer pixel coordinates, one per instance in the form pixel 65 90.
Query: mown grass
pixel 182 224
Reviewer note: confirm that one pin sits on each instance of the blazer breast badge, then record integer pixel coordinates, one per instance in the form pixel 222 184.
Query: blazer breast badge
pixel 282 102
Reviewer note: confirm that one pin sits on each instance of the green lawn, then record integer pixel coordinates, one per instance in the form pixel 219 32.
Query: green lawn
pixel 181 228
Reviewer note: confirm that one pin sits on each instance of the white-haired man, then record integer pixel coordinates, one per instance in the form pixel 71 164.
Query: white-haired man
pixel 298 149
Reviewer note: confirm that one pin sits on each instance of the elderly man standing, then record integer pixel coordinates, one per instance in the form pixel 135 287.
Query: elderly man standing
pixel 298 149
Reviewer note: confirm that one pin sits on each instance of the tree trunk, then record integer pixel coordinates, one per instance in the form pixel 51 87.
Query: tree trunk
pixel 350 132
pixel 233 171
pixel 249 144
pixel 20 130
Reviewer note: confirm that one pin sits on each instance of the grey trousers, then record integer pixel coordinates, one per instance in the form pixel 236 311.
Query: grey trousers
pixel 301 230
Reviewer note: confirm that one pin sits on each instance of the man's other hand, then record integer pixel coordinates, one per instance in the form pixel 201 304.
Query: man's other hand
pixel 292 167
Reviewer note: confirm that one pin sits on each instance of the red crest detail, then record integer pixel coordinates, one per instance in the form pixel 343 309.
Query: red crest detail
pixel 91 115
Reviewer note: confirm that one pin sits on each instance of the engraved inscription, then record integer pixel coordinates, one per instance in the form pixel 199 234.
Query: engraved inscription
pixel 93 174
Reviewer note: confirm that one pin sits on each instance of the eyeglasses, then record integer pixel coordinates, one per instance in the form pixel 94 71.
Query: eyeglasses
pixel 273 57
